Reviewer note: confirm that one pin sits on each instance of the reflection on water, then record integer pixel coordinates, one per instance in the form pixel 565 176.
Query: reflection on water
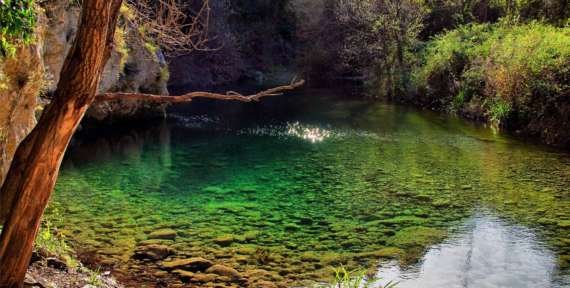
pixel 486 253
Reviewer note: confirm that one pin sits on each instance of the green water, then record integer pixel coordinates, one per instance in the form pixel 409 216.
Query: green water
pixel 288 188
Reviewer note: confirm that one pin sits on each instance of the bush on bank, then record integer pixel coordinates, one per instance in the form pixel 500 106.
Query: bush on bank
pixel 17 24
pixel 513 75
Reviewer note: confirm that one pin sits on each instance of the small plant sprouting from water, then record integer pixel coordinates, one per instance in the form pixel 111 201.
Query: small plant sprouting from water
pixel 344 278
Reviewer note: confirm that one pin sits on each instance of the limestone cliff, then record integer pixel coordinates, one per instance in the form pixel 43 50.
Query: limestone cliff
pixel 133 67
pixel 20 83
pixel 29 78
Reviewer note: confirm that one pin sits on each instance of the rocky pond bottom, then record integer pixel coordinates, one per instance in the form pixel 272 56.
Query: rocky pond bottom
pixel 276 194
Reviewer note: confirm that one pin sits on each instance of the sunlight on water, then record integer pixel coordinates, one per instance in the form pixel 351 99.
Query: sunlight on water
pixel 311 134
pixel 307 132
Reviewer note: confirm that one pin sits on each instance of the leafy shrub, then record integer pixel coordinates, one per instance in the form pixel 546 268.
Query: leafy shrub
pixel 17 22
pixel 519 70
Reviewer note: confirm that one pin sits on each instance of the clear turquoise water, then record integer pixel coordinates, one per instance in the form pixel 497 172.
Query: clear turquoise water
pixel 299 184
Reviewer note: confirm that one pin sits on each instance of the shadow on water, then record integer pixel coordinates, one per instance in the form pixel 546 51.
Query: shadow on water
pixel 316 180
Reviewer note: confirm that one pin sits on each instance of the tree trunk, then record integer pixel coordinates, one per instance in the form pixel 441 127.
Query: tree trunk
pixel 35 167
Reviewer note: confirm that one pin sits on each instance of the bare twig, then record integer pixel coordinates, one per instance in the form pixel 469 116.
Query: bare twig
pixel 230 95
pixel 173 24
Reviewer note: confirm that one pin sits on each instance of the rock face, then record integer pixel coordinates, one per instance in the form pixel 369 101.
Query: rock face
pixel 34 71
pixel 131 68
pixel 20 82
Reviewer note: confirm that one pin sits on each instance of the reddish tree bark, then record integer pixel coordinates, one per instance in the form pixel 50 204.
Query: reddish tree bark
pixel 32 175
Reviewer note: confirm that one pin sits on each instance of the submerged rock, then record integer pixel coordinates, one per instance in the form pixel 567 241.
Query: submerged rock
pixel 222 270
pixel 167 234
pixel 441 203
pixel 190 264
pixel 398 220
pixel 214 190
pixel 264 284
pixel 155 242
pixel 203 278
pixel 257 275
pixel 184 275
pixel 111 251
pixel 225 240
pixel 564 224
pixel 417 236
pixel 389 252
pixel 250 236
pixel 153 252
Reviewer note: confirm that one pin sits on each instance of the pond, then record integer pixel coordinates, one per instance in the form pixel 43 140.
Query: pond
pixel 287 189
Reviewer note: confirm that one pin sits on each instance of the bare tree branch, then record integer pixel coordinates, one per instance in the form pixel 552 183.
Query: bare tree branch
pixel 230 95
pixel 172 24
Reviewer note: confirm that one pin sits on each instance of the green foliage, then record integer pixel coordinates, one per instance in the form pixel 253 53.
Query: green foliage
pixel 445 15
pixel 344 278
pixel 52 244
pixel 121 46
pixel 164 74
pixel 553 11
pixel 512 66
pixel 499 111
pixel 127 13
pixel 151 47
pixel 17 22
pixel 447 51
